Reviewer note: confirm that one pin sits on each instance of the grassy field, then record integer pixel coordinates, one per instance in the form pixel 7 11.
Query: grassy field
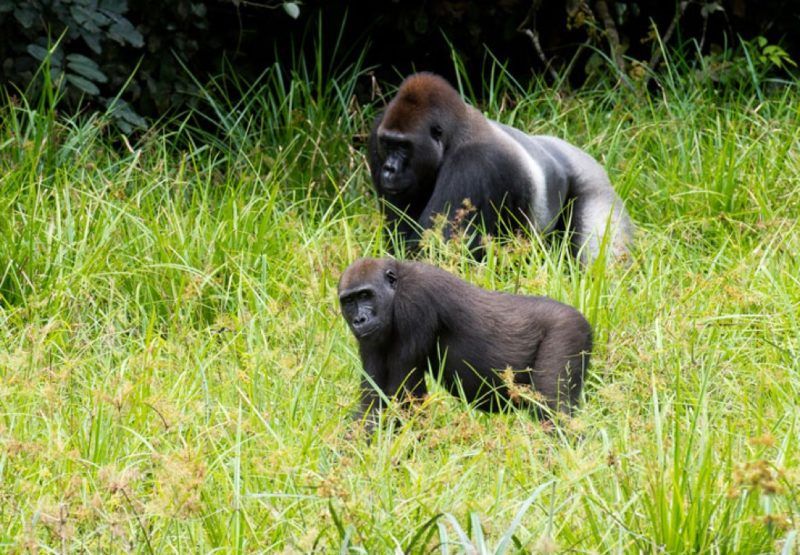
pixel 175 376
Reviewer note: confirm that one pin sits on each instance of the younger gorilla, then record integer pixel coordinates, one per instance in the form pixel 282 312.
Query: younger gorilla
pixel 406 315
pixel 429 152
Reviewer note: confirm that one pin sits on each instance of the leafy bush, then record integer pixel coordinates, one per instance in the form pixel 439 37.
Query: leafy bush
pixel 70 37
pixel 96 49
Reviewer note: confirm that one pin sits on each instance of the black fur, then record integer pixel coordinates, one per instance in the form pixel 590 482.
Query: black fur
pixel 429 152
pixel 408 315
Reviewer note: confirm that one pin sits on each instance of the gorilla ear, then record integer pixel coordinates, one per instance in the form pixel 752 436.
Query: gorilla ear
pixel 436 132
pixel 391 278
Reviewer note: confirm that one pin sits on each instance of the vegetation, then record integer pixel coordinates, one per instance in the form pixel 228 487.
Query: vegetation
pixel 129 57
pixel 175 376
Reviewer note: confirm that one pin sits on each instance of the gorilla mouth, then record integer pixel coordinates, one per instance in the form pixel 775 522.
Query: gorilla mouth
pixel 361 333
pixel 393 188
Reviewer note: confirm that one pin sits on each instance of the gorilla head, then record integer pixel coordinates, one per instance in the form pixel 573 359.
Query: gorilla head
pixel 366 295
pixel 411 137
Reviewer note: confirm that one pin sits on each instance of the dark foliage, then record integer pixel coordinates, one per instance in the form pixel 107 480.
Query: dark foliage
pixel 533 35
pixel 139 47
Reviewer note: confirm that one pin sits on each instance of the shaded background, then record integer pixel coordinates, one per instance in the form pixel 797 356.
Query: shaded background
pixel 158 52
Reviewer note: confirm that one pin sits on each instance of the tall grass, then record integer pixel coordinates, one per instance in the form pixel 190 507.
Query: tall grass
pixel 174 374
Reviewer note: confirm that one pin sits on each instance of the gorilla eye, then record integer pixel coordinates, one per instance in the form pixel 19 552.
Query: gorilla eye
pixel 391 278
pixel 436 132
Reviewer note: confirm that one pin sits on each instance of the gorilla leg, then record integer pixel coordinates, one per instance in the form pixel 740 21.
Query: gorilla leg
pixel 558 371
pixel 598 216
pixel 411 383
pixel 397 384
pixel 370 405
pixel 599 222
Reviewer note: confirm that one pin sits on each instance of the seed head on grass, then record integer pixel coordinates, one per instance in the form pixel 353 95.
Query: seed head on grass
pixel 119 481
pixel 521 394
pixel 546 545
pixel 179 479
pixel 757 476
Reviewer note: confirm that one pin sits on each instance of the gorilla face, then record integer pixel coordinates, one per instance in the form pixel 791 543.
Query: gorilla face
pixel 409 162
pixel 367 300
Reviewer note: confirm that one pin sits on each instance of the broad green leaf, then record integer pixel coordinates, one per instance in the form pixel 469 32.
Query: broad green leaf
pixel 81 59
pixel 38 52
pixel 100 18
pixel 124 126
pixel 25 16
pixel 292 9
pixel 122 111
pixel 85 18
pixel 86 67
pixel 116 6
pixel 92 41
pixel 123 31
pixel 127 114
pixel 83 84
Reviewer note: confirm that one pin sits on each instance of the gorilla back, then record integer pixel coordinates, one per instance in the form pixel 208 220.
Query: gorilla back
pixel 429 151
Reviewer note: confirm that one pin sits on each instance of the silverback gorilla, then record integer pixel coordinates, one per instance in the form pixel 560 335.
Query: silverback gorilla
pixel 429 151
pixel 409 315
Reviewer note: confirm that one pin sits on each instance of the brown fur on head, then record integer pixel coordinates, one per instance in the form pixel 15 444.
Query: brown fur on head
pixel 363 270
pixel 409 140
pixel 419 96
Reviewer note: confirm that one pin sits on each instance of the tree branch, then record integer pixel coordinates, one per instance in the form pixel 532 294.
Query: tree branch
pixel 533 34
pixel 601 6
pixel 668 34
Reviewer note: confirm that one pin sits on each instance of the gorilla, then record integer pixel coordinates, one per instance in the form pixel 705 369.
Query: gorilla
pixel 429 152
pixel 409 316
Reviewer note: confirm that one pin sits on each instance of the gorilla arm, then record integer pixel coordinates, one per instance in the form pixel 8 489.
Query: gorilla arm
pixel 469 180
pixel 401 364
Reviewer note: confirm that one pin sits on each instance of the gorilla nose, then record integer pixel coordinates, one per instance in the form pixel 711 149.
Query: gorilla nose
pixel 359 320
pixel 389 170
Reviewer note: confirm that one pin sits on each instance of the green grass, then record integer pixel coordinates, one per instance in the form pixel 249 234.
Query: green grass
pixel 175 376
